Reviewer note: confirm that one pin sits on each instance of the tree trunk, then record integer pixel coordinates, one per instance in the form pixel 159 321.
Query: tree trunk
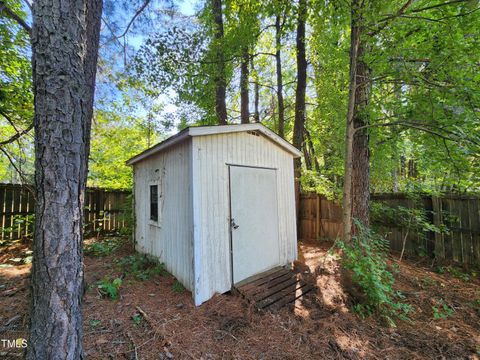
pixel 349 131
pixel 298 130
pixel 256 90
pixel 278 59
pixel 244 75
pixel 220 78
pixel 64 55
pixel 360 146
pixel 311 151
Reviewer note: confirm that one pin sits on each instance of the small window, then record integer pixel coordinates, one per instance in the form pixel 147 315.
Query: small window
pixel 154 202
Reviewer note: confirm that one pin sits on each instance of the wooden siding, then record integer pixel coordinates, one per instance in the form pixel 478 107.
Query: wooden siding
pixel 211 154
pixel 171 239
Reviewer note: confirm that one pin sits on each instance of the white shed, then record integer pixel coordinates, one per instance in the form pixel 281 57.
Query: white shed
pixel 216 205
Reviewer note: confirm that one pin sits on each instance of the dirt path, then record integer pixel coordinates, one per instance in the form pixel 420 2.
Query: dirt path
pixel 156 319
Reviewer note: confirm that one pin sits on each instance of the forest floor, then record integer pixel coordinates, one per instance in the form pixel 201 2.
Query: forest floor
pixel 154 317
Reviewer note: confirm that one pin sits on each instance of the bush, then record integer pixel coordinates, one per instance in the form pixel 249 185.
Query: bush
pixel 102 248
pixel 110 288
pixel 364 261
pixel 140 266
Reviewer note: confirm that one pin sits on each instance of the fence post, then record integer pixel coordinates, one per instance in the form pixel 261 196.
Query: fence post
pixel 318 222
pixel 437 221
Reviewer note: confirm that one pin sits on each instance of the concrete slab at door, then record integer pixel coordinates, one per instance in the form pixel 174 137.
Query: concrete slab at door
pixel 254 213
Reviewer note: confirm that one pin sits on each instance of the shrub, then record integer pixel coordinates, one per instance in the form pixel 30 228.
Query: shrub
pixel 102 248
pixel 110 288
pixel 441 310
pixel 364 259
pixel 140 266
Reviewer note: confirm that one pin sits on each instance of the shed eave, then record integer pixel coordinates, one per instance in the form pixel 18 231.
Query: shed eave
pixel 216 130
pixel 175 139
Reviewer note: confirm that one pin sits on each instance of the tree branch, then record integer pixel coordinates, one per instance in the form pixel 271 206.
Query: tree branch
pixel 421 127
pixel 137 13
pixel 14 16
pixel 438 5
pixel 389 18
pixel 18 135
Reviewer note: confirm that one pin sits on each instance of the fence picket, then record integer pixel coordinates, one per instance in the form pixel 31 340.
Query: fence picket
pixel 17 200
pixel 322 218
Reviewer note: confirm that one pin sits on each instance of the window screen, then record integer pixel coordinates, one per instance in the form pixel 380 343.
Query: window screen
pixel 154 202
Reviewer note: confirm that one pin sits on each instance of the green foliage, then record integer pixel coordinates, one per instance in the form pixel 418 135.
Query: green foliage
pixel 312 181
pixel 178 287
pixel 95 322
pixel 441 310
pixel 366 257
pixel 457 272
pixel 25 222
pixel 16 97
pixel 110 288
pixel 114 141
pixel 137 319
pixel 141 266
pixel 103 247
pixel 414 218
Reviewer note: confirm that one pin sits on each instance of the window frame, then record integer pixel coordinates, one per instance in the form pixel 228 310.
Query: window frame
pixel 153 220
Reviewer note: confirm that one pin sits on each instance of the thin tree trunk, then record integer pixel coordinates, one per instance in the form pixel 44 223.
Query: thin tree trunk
pixel 298 130
pixel 278 60
pixel 349 131
pixel 311 150
pixel 220 78
pixel 256 90
pixel 244 75
pixel 306 156
pixel 64 55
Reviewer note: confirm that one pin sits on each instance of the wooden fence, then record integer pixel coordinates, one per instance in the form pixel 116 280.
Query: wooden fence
pixel 322 218
pixel 319 218
pixel 105 210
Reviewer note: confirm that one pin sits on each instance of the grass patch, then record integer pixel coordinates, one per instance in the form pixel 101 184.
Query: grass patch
pixel 178 287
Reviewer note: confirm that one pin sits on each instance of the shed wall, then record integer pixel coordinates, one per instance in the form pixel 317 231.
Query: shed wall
pixel 210 181
pixel 171 240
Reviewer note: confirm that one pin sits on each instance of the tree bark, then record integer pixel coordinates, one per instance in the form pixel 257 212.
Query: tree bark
pixel 360 146
pixel 244 75
pixel 220 78
pixel 64 55
pixel 278 60
pixel 311 150
pixel 298 129
pixel 256 90
pixel 349 131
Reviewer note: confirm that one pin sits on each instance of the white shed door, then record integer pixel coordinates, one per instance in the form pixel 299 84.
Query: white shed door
pixel 254 225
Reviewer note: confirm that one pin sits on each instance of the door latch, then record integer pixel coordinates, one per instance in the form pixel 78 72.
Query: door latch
pixel 232 224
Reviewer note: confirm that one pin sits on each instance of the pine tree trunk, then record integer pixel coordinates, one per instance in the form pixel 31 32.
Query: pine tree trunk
pixel 220 78
pixel 244 77
pixel 360 146
pixel 278 60
pixel 64 54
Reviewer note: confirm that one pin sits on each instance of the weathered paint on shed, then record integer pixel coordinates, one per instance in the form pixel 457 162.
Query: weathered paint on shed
pixel 192 236
pixel 211 154
pixel 171 238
